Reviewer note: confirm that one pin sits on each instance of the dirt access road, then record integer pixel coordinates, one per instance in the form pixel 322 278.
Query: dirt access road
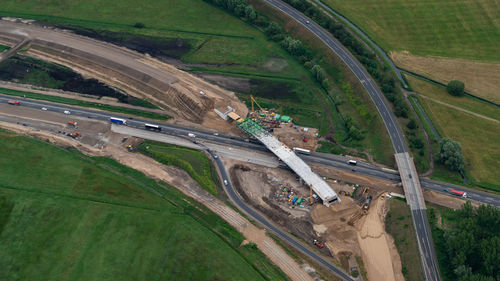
pixel 137 74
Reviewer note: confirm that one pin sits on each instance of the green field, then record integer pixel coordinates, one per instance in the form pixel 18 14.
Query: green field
pixel 194 162
pixel 479 139
pixel 63 100
pixel 66 216
pixel 465 29
pixel 399 225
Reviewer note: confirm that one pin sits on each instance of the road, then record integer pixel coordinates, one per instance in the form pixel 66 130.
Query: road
pixel 269 226
pixel 335 161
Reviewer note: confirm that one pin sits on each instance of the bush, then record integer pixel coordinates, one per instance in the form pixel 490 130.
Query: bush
pixel 456 88
pixel 139 25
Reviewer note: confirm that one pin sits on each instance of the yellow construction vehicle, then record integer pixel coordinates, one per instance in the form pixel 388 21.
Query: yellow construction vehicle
pixel 252 99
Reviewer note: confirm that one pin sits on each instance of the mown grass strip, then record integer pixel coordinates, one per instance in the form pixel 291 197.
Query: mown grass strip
pixel 63 100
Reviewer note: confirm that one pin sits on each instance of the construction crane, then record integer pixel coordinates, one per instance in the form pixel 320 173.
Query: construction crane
pixel 254 101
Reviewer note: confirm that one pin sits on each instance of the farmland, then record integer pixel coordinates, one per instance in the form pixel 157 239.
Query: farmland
pixel 66 216
pixel 440 39
pixel 466 29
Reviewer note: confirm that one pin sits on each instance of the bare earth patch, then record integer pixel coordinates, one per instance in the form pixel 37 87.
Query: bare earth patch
pixel 480 78
pixel 377 247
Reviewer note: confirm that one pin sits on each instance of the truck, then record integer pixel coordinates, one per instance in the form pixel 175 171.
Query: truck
pixel 152 127
pixel 14 102
pixel 352 162
pixel 301 150
pixel 458 193
pixel 118 120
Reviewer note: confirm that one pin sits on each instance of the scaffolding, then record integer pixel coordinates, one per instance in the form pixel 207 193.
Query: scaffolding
pixel 320 187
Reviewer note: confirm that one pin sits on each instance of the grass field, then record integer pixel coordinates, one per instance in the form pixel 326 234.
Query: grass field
pixel 479 139
pixel 399 225
pixel 194 162
pixel 466 29
pixel 63 100
pixel 439 93
pixel 66 216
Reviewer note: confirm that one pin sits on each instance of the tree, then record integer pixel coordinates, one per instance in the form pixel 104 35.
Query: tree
pixel 412 125
pixel 451 154
pixel 456 88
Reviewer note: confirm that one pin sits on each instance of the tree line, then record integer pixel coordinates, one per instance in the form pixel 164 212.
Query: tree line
pixel 470 243
pixel 292 45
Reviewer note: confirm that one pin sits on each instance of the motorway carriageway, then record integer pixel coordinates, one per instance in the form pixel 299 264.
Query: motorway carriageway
pixel 339 162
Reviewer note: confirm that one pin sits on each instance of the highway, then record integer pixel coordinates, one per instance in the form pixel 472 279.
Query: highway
pixel 335 161
pixel 409 177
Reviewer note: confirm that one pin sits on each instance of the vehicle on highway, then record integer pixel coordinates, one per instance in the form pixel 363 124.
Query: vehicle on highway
pixel 191 135
pixel 216 134
pixel 301 150
pixel 67 112
pixel 14 102
pixel 225 182
pixel 215 156
pixel 152 127
pixel 119 121
pixel 44 108
pixel 352 162
pixel 308 22
pixel 457 193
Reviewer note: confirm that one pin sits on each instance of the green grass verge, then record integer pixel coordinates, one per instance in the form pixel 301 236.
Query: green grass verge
pixel 4 48
pixel 194 162
pixel 420 114
pixel 464 30
pixel 399 225
pixel 66 216
pixel 479 139
pixel 63 100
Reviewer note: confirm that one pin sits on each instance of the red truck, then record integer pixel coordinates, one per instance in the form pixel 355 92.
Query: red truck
pixel 458 193
pixel 14 102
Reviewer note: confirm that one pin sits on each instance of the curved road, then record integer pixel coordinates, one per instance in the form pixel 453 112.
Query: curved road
pixel 409 177
pixel 269 226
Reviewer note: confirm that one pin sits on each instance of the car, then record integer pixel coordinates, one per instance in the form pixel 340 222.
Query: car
pixel 67 112
pixel 44 108
pixel 308 22
pixel 225 182
pixel 215 156
pixel 216 134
